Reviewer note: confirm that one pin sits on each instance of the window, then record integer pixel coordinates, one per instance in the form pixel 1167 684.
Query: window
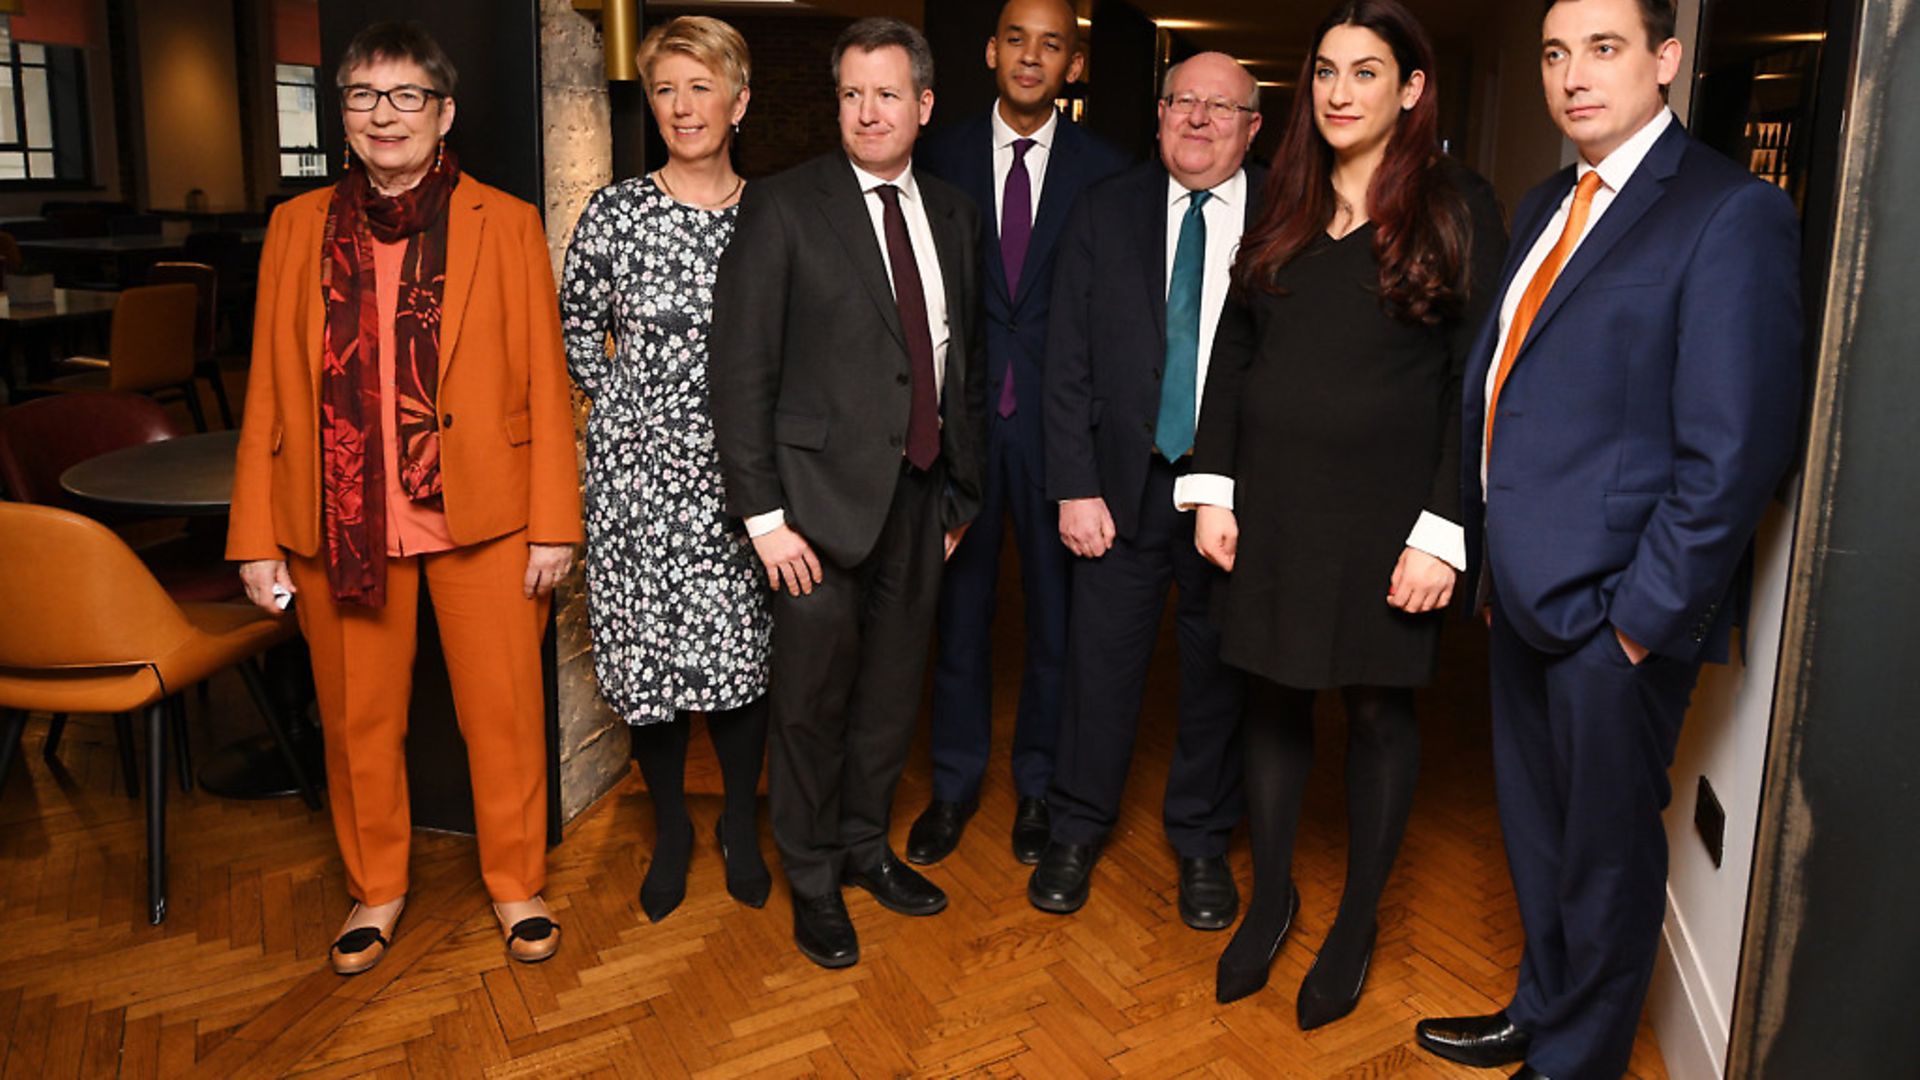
pixel 300 154
pixel 43 111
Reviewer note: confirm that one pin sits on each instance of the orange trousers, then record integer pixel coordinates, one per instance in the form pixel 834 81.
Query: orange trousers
pixel 363 677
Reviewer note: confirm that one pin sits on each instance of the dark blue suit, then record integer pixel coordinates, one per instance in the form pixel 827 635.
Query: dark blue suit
pixel 1106 347
pixel 1646 421
pixel 962 155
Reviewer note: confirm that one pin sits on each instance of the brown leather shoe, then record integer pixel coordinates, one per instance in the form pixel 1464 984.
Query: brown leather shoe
pixel 532 939
pixel 359 949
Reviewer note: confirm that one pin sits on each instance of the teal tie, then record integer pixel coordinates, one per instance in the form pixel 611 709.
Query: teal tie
pixel 1173 434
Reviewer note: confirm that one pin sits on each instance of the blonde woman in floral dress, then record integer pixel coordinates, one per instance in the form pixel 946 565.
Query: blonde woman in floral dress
pixel 679 612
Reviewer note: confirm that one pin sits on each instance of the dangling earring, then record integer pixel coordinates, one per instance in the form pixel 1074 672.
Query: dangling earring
pixel 736 130
pixel 346 159
pixel 439 157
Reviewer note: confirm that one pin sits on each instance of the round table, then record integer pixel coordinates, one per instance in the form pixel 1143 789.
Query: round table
pixel 188 476
pixel 192 476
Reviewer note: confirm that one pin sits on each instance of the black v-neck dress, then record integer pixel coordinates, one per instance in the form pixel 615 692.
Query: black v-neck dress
pixel 1339 424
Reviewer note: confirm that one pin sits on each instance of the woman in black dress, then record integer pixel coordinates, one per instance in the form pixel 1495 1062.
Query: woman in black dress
pixel 1326 468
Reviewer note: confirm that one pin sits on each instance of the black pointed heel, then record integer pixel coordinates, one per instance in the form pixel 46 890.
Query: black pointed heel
pixel 752 883
pixel 1231 982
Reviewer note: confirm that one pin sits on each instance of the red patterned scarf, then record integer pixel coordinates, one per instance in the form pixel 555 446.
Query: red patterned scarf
pixel 352 463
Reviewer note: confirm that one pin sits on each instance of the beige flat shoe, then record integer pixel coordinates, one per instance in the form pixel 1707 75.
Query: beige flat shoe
pixel 361 948
pixel 532 939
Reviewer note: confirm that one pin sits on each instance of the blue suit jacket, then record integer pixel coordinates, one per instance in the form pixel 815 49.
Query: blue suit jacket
pixel 962 155
pixel 1650 414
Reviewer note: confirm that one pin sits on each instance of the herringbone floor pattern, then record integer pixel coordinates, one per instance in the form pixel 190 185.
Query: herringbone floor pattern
pixel 235 983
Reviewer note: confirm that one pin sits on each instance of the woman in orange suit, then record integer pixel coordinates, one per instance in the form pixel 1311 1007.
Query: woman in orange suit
pixel 408 421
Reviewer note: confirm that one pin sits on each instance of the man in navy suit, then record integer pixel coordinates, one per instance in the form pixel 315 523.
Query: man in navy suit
pixel 1023 165
pixel 1633 404
pixel 1141 284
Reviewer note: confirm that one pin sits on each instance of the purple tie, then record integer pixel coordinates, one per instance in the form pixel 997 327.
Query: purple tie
pixel 1016 231
pixel 923 415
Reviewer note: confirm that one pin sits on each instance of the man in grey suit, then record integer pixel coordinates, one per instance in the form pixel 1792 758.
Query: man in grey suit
pixel 849 400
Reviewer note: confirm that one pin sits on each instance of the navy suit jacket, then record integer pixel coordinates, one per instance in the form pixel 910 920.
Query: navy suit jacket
pixel 1016 325
pixel 1650 414
pixel 1106 340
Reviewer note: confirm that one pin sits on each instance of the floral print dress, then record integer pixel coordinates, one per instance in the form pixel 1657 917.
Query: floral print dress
pixel 678 603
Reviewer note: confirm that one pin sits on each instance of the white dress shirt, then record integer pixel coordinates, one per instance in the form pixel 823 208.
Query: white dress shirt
pixel 926 258
pixel 1037 155
pixel 1615 171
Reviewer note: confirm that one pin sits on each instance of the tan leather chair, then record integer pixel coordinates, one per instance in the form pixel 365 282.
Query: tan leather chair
pixel 150 350
pixel 87 629
pixel 205 365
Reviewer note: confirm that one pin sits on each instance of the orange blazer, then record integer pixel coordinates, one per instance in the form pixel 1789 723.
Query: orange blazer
pixel 507 457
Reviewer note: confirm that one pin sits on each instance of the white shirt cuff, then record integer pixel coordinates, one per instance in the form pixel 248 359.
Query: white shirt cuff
pixel 1203 489
pixel 1441 539
pixel 760 525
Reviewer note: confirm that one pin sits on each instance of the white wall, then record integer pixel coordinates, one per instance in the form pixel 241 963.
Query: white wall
pixel 1725 740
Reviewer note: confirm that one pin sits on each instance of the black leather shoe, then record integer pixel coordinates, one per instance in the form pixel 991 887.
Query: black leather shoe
pixel 1483 1042
pixel 1208 897
pixel 823 930
pixel 1032 827
pixel 899 887
pixel 1528 1072
pixel 1060 882
pixel 936 832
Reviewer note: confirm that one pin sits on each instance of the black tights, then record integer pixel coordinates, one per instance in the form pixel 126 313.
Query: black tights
pixel 740 741
pixel 1383 758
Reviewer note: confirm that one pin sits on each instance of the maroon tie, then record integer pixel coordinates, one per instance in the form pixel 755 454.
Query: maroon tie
pixel 923 419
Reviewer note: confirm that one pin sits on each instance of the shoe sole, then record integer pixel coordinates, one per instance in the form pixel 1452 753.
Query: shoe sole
pixel 829 962
pixel 1058 907
pixel 899 909
pixel 1217 922
pixel 929 858
pixel 1468 1057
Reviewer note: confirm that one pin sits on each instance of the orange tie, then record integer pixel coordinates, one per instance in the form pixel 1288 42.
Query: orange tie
pixel 1539 287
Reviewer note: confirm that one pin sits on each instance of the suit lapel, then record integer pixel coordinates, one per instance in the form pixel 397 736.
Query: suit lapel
pixel 1525 235
pixel 1057 190
pixel 1648 184
pixel 315 330
pixel 1150 234
pixel 976 179
pixel 950 247
pixel 845 209
pixel 466 222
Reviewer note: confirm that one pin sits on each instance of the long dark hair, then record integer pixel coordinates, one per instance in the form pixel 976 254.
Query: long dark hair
pixel 1422 229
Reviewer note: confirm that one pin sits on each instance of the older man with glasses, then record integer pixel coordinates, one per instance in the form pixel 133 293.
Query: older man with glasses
pixel 1138 291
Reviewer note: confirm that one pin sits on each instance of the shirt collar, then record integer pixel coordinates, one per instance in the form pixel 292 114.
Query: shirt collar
pixel 904 181
pixel 1004 135
pixel 1229 192
pixel 1618 167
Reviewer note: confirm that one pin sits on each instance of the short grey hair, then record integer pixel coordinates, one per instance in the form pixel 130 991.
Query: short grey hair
pixel 880 32
pixel 400 41
pixel 1166 83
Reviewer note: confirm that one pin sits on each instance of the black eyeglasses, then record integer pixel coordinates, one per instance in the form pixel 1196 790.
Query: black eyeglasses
pixel 408 99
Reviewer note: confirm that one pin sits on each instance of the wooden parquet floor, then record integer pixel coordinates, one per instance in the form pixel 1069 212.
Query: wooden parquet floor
pixel 235 983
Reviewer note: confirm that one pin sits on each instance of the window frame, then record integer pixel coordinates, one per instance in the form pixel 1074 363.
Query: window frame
pixel 12 68
pixel 318 149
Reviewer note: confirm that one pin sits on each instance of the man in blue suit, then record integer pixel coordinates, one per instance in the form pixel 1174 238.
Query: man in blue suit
pixel 1024 165
pixel 1632 407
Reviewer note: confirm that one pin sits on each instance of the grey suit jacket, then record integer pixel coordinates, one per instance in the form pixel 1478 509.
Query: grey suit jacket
pixel 809 368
